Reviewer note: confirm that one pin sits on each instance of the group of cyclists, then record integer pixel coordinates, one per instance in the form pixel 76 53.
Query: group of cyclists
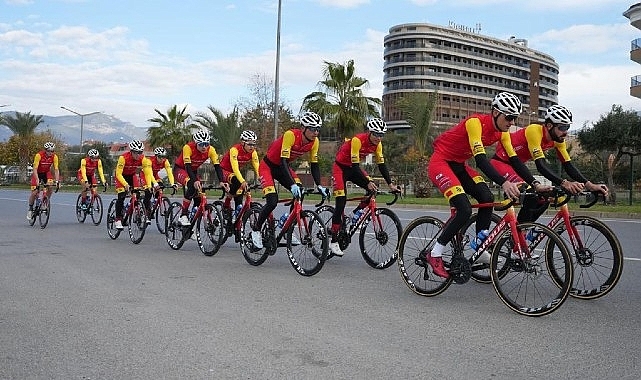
pixel 448 168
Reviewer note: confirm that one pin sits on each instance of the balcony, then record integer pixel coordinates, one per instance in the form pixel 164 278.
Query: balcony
pixel 634 14
pixel 635 50
pixel 635 86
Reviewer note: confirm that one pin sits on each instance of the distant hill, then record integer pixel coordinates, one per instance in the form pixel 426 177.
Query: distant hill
pixel 98 127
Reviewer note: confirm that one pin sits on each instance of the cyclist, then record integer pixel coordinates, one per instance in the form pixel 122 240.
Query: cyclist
pixel 347 168
pixel 43 162
pixel 193 155
pixel 449 171
pixel 530 143
pixel 159 161
pixel 129 165
pixel 275 166
pixel 86 174
pixel 236 158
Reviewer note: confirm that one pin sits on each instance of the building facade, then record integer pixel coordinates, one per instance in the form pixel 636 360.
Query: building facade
pixel 466 69
pixel 634 14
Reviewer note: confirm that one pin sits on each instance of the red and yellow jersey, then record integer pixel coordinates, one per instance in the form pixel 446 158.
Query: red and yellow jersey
pixel 190 155
pixel 42 162
pixel 530 143
pixel 158 165
pixel 469 138
pixel 291 146
pixel 354 150
pixel 237 158
pixel 88 167
pixel 128 166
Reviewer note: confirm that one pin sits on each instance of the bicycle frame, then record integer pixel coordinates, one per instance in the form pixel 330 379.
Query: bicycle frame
pixel 370 209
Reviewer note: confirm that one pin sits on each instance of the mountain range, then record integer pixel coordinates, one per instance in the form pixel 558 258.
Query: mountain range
pixel 98 127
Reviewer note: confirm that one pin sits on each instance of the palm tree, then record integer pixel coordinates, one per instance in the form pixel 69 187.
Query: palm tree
pixel 341 102
pixel 417 109
pixel 171 131
pixel 223 128
pixel 23 125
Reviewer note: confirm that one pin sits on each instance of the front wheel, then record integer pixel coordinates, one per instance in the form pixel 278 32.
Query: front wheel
pixel 209 230
pixel 95 209
pixel 137 223
pixel 45 211
pixel 112 231
pixel 251 254
pixel 162 209
pixel 227 226
pixel 308 257
pixel 173 228
pixel 379 238
pixel 419 237
pixel 81 214
pixel 534 280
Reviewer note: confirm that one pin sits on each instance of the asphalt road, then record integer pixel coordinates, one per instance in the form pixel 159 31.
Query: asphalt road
pixel 75 304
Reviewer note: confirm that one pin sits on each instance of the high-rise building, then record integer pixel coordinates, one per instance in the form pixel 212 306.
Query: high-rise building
pixel 634 14
pixel 466 69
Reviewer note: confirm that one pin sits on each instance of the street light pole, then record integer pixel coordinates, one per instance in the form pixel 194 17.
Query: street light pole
pixel 276 85
pixel 82 121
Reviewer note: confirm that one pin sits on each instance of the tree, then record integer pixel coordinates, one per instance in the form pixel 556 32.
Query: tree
pixel 23 126
pixel 417 109
pixel 223 128
pixel 171 130
pixel 616 133
pixel 254 119
pixel 341 102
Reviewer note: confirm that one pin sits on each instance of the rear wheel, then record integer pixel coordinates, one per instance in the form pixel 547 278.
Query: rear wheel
pixel 418 238
pixel 209 230
pixel 112 231
pixel 81 214
pixel 308 257
pixel 173 228
pixel 45 210
pixel 96 210
pixel 379 238
pixel 252 255
pixel 137 223
pixel 537 282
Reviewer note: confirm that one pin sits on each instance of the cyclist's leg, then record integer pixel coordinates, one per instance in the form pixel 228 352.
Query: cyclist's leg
pixel 474 185
pixel 234 186
pixel 340 199
pixel 181 177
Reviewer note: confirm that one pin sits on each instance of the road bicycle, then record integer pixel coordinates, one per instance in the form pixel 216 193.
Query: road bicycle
pixel 160 206
pixel 41 207
pixel 134 216
pixel 379 230
pixel 301 226
pixel 91 206
pixel 205 225
pixel 532 279
pixel 232 219
pixel 596 251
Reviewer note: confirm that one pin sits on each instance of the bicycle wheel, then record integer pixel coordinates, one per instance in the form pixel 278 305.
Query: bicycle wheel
pixel 34 214
pixel 227 227
pixel 160 214
pixel 209 230
pixel 81 214
pixel 137 223
pixel 598 260
pixel 379 238
pixel 480 272
pixel 252 255
pixel 96 210
pixel 325 214
pixel 419 236
pixel 537 283
pixel 173 228
pixel 308 257
pixel 111 218
pixel 45 211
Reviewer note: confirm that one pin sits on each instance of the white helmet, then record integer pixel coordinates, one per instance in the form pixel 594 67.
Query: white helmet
pixel 248 136
pixel 558 115
pixel 136 146
pixel 160 151
pixel 507 103
pixel 50 146
pixel 201 136
pixel 376 125
pixel 311 120
pixel 93 153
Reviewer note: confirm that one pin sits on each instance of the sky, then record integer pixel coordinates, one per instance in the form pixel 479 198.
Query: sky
pixel 127 58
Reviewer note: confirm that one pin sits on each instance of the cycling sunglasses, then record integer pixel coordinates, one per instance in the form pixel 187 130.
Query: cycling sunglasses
pixel 203 144
pixel 562 127
pixel 314 129
pixel 510 117
pixel 378 134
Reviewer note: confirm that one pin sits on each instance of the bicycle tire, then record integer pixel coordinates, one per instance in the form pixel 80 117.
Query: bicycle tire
pixel 81 214
pixel 598 267
pixel 254 256
pixel 325 213
pixel 209 230
pixel 111 219
pixel 34 215
pixel 45 212
pixel 160 214
pixel 308 257
pixel 96 210
pixel 225 213
pixel 468 234
pixel 420 235
pixel 174 231
pixel 534 286
pixel 137 223
pixel 379 251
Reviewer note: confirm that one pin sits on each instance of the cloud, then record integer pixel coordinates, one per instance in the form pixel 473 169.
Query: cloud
pixel 586 40
pixel 343 3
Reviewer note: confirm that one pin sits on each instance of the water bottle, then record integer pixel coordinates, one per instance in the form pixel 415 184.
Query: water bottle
pixel 480 237
pixel 193 212
pixel 126 206
pixel 236 212
pixel 38 202
pixel 283 218
pixel 531 236
pixel 357 214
